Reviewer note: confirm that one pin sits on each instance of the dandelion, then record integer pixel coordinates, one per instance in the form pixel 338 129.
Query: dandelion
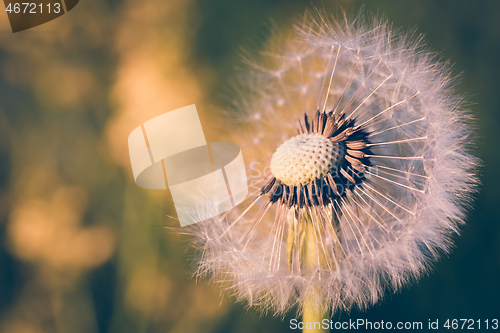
pixel 367 172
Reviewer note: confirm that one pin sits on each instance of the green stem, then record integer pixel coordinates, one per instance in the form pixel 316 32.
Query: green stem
pixel 310 258
pixel 313 319
pixel 313 315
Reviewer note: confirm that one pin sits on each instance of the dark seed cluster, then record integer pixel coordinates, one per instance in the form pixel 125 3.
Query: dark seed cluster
pixel 345 177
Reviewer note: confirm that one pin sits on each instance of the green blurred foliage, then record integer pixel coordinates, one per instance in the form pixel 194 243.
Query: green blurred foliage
pixel 61 98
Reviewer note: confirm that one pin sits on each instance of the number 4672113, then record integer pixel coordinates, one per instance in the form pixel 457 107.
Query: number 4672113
pixel 33 8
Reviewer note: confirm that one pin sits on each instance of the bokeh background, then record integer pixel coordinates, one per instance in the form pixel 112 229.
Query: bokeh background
pixel 82 249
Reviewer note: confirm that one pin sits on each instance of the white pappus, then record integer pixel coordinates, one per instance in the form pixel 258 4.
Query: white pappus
pixel 368 169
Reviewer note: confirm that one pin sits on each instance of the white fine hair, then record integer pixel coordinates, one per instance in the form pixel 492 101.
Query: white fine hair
pixel 411 199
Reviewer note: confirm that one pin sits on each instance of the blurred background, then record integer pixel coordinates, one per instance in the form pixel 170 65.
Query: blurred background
pixel 83 249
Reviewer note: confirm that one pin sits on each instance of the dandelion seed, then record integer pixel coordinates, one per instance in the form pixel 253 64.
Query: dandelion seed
pixel 367 188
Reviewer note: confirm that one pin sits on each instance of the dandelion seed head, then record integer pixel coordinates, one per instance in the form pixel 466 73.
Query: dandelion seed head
pixel 370 169
pixel 306 157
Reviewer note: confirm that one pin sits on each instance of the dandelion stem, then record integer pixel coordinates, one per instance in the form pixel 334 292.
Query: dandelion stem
pixel 313 313
pixel 313 319
pixel 313 307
